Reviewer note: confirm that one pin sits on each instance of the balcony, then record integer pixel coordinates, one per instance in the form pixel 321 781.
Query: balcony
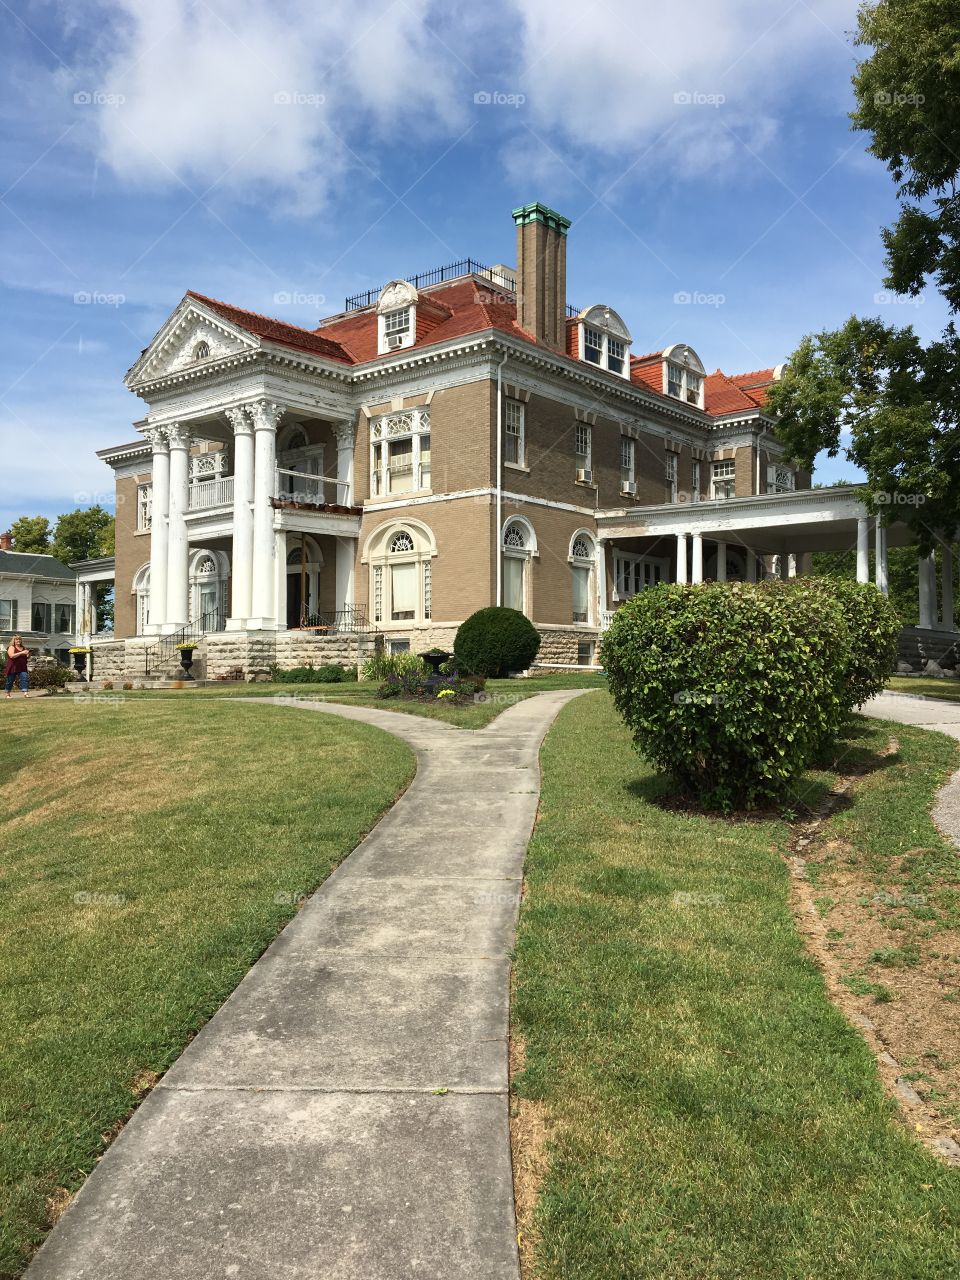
pixel 313 490
pixel 208 494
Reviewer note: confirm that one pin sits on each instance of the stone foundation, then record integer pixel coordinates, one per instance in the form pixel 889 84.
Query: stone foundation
pixel 927 650
pixel 559 647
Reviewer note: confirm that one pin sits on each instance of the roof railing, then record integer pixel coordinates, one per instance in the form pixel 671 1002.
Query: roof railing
pixel 465 267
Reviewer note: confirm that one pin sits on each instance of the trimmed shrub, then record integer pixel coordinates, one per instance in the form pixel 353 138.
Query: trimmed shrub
pixel 310 674
pixel 49 675
pixel 732 688
pixel 382 665
pixel 495 642
pixel 874 627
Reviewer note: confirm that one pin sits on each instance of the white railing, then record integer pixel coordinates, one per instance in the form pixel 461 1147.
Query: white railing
pixel 300 486
pixel 211 493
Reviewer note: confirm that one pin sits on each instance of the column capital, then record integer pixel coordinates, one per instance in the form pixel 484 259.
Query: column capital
pixel 157 436
pixel 239 418
pixel 345 433
pixel 178 435
pixel 265 414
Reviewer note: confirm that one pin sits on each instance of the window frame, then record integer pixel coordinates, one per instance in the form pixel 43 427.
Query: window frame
pixel 628 471
pixel 387 431
pixel 516 430
pixel 726 479
pixel 671 472
pixel 9 619
pixel 583 432
pixel 631 569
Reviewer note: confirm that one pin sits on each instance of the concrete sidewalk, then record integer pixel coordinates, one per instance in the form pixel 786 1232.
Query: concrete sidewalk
pixel 927 713
pixel 345 1113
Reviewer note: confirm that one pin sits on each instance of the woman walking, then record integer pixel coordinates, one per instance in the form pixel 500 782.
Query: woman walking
pixel 16 669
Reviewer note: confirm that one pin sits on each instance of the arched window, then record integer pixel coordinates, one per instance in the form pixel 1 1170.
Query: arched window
pixel 401 573
pixel 201 351
pixel 519 546
pixel 141 588
pixel 582 566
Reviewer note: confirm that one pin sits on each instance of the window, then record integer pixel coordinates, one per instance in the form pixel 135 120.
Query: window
pixel 397 321
pixel 628 457
pixel 402 542
pixel 584 449
pixel 144 505
pixel 671 476
pixel 8 615
pixel 592 345
pixel 201 351
pixel 683 374
pixel 427 589
pixel 513 443
pixel 695 481
pixel 582 566
pixel 401 586
pixel 64 618
pixel 633 574
pixel 396 316
pixel 780 479
pixel 40 617
pixel 724 483
pixel 694 387
pixel 400 646
pixel 585 653
pixel 616 354
pixel 400 452
pixel 674 380
pixel 518 547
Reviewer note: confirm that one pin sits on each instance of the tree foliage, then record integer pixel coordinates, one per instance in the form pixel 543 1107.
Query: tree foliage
pixel 908 99
pixel 83 535
pixel 31 533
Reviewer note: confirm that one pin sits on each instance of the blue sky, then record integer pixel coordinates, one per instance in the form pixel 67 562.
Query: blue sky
pixel 283 155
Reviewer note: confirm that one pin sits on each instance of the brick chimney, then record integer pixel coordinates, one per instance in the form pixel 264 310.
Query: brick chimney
pixel 542 273
pixel 6 541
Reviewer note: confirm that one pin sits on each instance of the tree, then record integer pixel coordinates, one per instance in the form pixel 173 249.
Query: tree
pixel 83 534
pixel 31 533
pixel 908 98
pixel 873 392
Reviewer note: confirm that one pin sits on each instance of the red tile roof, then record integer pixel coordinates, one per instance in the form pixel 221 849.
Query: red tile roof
pixel 287 335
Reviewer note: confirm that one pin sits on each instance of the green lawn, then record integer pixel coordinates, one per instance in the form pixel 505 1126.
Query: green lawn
pixel 949 690
pixel 498 695
pixel 152 849
pixel 709 1113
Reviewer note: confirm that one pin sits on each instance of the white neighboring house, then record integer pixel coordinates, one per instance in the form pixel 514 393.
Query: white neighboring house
pixel 38 602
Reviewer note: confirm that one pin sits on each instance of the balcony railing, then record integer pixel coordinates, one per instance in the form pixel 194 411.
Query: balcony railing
pixel 207 494
pixel 351 620
pixel 452 271
pixel 298 486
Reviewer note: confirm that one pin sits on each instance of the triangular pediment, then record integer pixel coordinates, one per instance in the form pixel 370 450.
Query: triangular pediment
pixel 192 337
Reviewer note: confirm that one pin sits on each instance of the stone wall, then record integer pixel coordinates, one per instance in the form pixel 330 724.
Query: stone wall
pixel 923 649
pixel 558 646
pixel 306 649
pixel 109 660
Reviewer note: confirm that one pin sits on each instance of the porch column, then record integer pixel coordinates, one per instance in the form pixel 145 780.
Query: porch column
pixel 863 549
pixel 345 434
pixel 721 562
pixel 178 551
pixel 241 564
pixel 928 591
pixel 263 606
pixel 751 566
pixel 346 555
pixel 791 565
pixel 159 512
pixel 697 567
pixel 681 557
pixel 946 588
pixel 280 556
pixel 880 575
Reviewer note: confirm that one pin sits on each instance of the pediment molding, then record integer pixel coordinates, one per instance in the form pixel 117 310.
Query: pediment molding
pixel 174 349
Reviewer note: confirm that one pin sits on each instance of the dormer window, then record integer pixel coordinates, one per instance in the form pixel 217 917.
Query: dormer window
pixel 683 375
pixel 604 340
pixel 396 316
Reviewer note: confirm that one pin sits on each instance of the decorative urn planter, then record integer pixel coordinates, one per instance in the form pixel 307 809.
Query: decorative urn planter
pixel 79 664
pixel 186 662
pixel 435 658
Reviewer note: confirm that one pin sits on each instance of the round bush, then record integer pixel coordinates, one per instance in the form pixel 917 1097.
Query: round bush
pixel 496 641
pixel 873 625
pixel 48 674
pixel 730 687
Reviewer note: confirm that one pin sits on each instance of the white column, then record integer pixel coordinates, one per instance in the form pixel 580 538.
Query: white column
pixel 884 572
pixel 863 550
pixel 241 560
pixel 159 515
pixel 697 566
pixel 928 591
pixel 280 557
pixel 791 565
pixel 178 550
pixel 721 562
pixel 346 556
pixel 263 605
pixel 946 588
pixel 345 435
pixel 751 566
pixel 681 557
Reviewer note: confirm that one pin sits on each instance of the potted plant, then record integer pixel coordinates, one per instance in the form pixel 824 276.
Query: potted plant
pixel 435 658
pixel 186 658
pixel 79 661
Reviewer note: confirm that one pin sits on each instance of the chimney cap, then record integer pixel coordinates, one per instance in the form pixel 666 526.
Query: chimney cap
pixel 537 212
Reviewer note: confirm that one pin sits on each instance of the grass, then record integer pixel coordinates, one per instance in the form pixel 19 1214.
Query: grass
pixel 709 1112
pixel 499 695
pixel 945 690
pixel 152 850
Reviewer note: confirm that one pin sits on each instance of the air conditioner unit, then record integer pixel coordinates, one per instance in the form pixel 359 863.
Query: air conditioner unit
pixel 586 477
pixel 395 340
pixel 629 487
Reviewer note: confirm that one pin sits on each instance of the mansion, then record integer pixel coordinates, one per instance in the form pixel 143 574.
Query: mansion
pixel 460 438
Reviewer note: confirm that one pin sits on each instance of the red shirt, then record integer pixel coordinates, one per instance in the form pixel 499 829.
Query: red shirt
pixel 17 664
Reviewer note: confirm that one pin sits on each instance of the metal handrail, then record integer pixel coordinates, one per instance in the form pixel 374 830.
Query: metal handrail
pixel 465 267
